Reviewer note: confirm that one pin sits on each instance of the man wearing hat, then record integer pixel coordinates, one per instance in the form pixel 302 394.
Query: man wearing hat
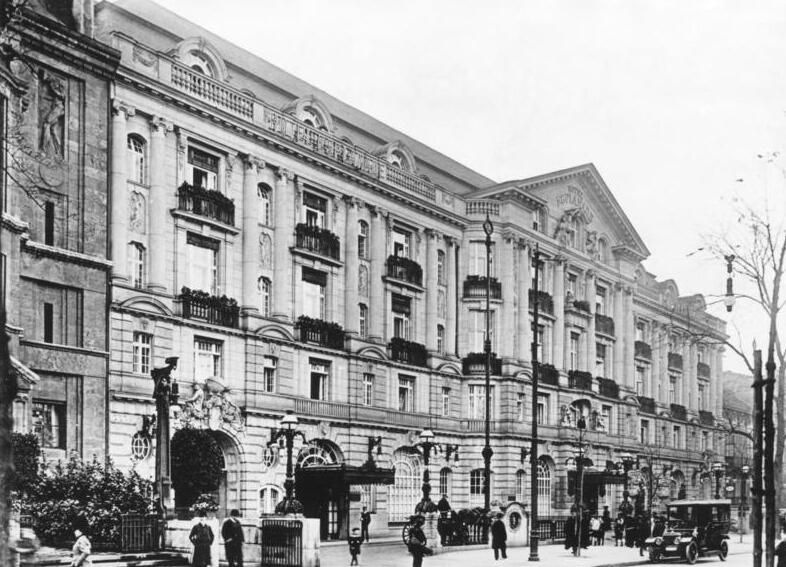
pixel 416 541
pixel 232 532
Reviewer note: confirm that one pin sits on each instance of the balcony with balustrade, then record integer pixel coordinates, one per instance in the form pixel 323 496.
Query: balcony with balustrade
pixel 706 418
pixel 545 301
pixel 206 203
pixel 318 240
pixel 580 380
pixel 675 361
pixel 647 405
pixel 319 332
pixel 678 412
pixel 408 352
pixel 604 325
pixel 475 288
pixel 202 306
pixel 548 374
pixel 702 370
pixel 642 350
pixel 608 388
pixel 475 363
pixel 404 270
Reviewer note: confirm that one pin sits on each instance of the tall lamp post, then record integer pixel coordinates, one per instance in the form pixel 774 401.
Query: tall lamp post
pixel 165 393
pixel 426 445
pixel 288 432
pixel 488 228
pixel 581 425
pixel 627 464
pixel 744 473
pixel 718 469
pixel 533 451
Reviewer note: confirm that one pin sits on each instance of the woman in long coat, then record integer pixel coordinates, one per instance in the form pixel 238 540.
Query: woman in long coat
pixel 202 538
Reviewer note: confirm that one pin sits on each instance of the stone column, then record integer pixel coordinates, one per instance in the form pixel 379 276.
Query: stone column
pixel 559 314
pixel 379 234
pixel 351 268
pixel 716 379
pixel 284 230
pixel 251 243
pixel 628 333
pixel 431 289
pixel 507 329
pixel 450 311
pixel 589 361
pixel 119 192
pixel 686 385
pixel 692 373
pixel 524 323
pixel 619 337
pixel 656 370
pixel 159 205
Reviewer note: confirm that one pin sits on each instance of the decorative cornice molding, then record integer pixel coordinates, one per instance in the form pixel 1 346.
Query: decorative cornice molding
pixel 70 256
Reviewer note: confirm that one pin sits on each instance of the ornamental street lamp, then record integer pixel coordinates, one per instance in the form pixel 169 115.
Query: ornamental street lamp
pixel 488 228
pixel 718 469
pixel 628 459
pixel 426 445
pixel 728 299
pixel 288 432
pixel 577 464
pixel 744 473
pixel 165 393
pixel 533 450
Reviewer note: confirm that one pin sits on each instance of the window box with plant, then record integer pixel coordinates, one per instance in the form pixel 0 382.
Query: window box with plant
pixel 475 363
pixel 579 379
pixel 318 240
pixel 408 352
pixel 549 374
pixel 706 417
pixel 608 388
pixel 675 360
pixel 647 405
pixel 404 269
pixel 207 203
pixel 678 412
pixel 545 301
pixel 604 324
pixel 475 288
pixel 703 370
pixel 323 333
pixel 642 350
pixel 581 305
pixel 197 304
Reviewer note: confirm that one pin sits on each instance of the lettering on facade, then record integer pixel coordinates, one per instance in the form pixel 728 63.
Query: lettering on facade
pixel 573 198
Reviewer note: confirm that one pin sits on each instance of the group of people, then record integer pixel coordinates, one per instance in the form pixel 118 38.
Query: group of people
pixel 202 538
pixel 629 530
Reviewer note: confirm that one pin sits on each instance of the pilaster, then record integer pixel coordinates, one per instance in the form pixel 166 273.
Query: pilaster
pixel 451 276
pixel 119 191
pixel 379 230
pixel 284 231
pixel 627 331
pixel 508 330
pixel 559 314
pixel 619 339
pixel 657 370
pixel 158 204
pixel 686 383
pixel 251 169
pixel 589 361
pixel 431 290
pixel 351 268
pixel 524 283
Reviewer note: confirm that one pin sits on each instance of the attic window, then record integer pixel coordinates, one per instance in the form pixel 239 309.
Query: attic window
pixel 399 160
pixel 199 63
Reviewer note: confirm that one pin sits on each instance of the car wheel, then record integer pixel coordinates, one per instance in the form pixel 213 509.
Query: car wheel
pixel 654 555
pixel 723 552
pixel 691 552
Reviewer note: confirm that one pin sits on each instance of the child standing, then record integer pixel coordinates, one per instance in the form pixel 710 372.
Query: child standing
pixel 354 545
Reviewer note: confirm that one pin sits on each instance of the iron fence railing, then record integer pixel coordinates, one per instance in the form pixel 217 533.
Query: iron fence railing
pixel 281 543
pixel 140 532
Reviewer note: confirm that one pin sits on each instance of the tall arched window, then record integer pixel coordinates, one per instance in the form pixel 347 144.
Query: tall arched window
pixel 137 161
pixel 263 191
pixel 363 322
pixel 136 264
pixel 362 240
pixel 445 482
pixel 405 492
pixel 440 339
pixel 544 488
pixel 264 296
pixel 521 481
pixel 269 496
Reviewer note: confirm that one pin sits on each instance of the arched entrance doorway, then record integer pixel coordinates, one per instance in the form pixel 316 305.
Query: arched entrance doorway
pixel 322 496
pixel 228 492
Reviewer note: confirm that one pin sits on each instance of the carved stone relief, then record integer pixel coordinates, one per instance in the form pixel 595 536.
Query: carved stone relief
pixel 265 250
pixel 137 213
pixel 441 304
pixel 51 114
pixel 210 407
pixel 363 281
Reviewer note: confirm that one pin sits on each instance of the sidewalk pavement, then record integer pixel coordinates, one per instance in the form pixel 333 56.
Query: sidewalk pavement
pixel 394 554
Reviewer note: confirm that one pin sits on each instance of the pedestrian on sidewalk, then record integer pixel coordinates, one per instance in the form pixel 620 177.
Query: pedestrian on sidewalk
pixel 499 537
pixel 416 542
pixel 232 532
pixel 81 551
pixel 355 541
pixel 202 538
pixel 365 520
pixel 595 530
pixel 619 530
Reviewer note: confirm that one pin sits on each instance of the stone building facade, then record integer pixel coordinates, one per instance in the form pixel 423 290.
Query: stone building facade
pixel 297 254
pixel 54 267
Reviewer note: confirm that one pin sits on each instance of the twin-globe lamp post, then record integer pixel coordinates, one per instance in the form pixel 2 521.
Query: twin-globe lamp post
pixel 488 228
pixel 165 393
pixel 426 445
pixel 578 464
pixel 288 432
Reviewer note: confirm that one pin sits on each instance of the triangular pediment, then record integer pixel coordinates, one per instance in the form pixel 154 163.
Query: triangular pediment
pixel 575 195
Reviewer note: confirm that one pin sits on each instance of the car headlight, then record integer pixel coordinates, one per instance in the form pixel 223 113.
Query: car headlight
pixel 658 541
pixel 677 540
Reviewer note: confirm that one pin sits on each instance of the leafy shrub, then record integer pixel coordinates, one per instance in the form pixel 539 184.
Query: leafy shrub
pixel 27 450
pixel 88 492
pixel 197 461
pixel 204 503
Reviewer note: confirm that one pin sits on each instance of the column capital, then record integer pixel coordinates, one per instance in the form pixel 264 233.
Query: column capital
pixel 352 202
pixel 284 174
pixel 380 212
pixel 121 107
pixel 161 125
pixel 253 163
pixel 432 234
pixel 449 240
pixel 589 275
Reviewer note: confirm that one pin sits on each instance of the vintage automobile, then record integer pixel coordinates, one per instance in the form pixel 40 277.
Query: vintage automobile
pixel 693 529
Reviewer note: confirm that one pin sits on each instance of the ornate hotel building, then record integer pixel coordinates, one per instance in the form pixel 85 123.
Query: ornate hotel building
pixel 299 255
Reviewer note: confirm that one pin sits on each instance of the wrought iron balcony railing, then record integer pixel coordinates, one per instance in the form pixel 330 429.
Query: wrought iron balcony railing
pixel 549 374
pixel 206 203
pixel 545 301
pixel 404 269
pixel 317 331
pixel 642 350
pixel 581 305
pixel 706 417
pixel 604 324
pixel 679 412
pixel 202 306
pixel 475 288
pixel 475 363
pixel 408 352
pixel 608 388
pixel 647 405
pixel 318 240
pixel 675 361
pixel 580 379
pixel 703 370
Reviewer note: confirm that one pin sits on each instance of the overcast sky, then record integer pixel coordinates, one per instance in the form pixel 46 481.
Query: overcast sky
pixel 671 100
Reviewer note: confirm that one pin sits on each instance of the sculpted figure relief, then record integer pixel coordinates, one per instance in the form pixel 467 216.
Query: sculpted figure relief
pixel 53 119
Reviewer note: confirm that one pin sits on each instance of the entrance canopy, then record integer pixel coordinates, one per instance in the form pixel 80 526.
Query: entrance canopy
pixel 598 476
pixel 345 474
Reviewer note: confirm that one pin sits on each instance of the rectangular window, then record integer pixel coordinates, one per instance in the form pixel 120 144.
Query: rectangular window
pixel 673 398
pixel 572 286
pixel 143 344
pixel 440 339
pixel 363 240
pixel 574 351
pixel 640 381
pixel 676 437
pixel 541 342
pixel 314 283
pixel 269 374
pixel 3 274
pixel 406 393
pixel 600 299
pixel 363 323
pixel 368 389
pixel 49 424
pixel 49 223
pixel 136 264
pixel 320 380
pixel 701 397
pixel 207 359
pixel 705 441
pixel 264 297
pixel 477 259
pixel 520 406
pixel 644 431
pixel 477 329
pixel 641 331
pixel 440 267
pixel 401 312
pixel 49 323
pixel 543 407
pixel 445 402
pixel 541 273
pixel 601 366
pixel 202 169
pixel 401 242
pixel 202 258
pixel 605 419
pixel 314 210
pixel 477 401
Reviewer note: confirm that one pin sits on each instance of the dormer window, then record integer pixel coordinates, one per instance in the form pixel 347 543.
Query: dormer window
pixel 202 169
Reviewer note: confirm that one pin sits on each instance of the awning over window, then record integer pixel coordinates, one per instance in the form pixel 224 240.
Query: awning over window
pixel 345 474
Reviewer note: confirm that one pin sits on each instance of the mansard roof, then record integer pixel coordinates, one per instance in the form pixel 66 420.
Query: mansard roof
pixel 599 195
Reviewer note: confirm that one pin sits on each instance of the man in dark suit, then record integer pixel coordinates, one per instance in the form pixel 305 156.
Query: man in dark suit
pixel 232 532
